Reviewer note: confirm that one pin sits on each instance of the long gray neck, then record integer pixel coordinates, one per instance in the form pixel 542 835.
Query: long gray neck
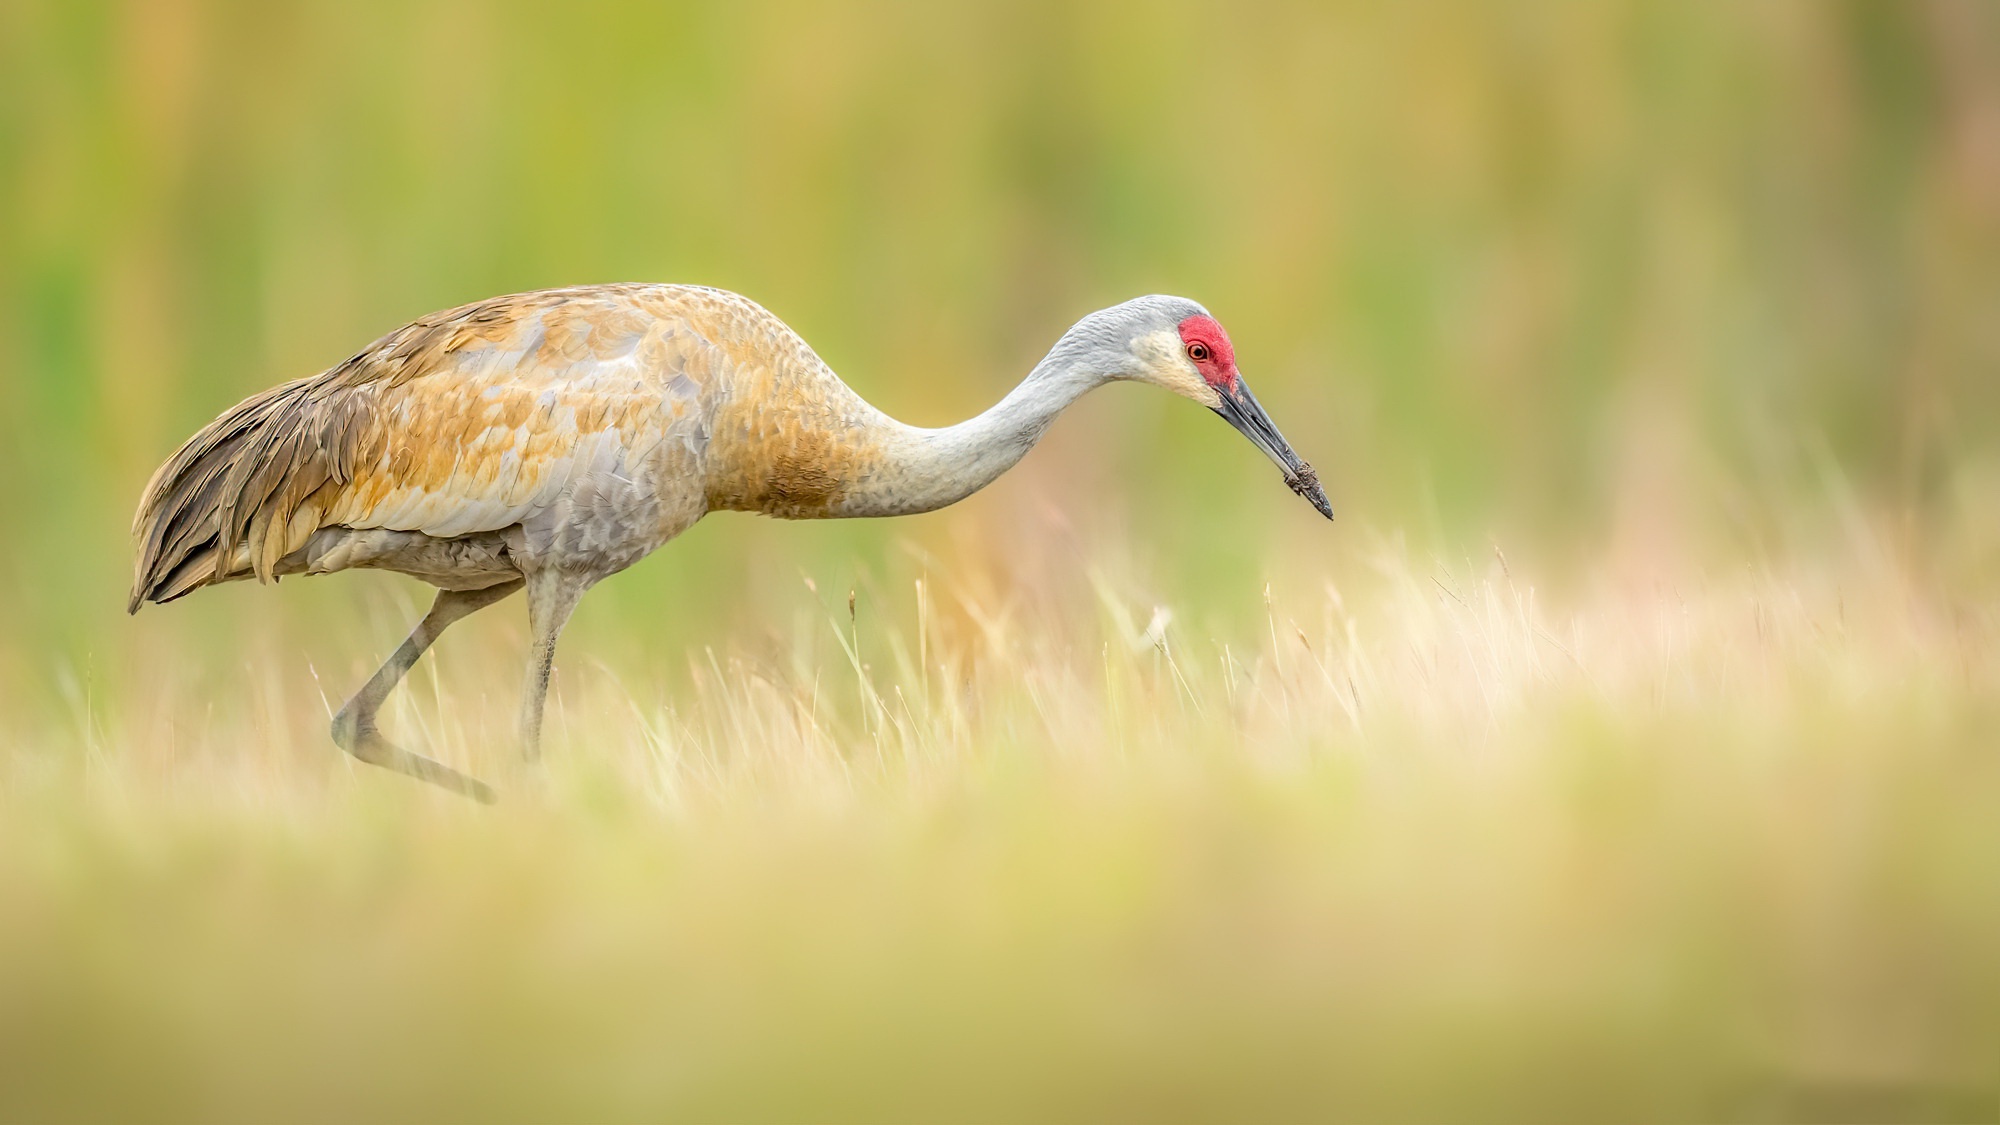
pixel 925 469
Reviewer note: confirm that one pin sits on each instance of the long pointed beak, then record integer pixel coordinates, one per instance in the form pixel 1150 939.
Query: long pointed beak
pixel 1243 411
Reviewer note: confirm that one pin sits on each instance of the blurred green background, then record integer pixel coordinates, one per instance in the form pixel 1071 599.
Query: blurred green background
pixel 1540 272
pixel 1690 309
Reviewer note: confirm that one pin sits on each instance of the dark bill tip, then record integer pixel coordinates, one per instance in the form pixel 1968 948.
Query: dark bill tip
pixel 1242 410
pixel 1306 484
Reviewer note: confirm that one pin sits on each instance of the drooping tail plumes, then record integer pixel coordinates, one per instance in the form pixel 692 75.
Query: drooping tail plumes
pixel 240 495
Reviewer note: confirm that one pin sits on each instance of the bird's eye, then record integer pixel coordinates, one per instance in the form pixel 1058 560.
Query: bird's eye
pixel 1197 352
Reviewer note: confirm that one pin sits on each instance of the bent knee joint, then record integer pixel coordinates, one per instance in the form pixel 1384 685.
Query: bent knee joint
pixel 350 731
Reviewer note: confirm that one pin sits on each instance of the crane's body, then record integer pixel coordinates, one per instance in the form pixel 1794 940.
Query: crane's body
pixel 547 440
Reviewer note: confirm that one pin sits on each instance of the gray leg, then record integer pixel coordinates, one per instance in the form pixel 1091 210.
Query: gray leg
pixel 354 727
pixel 552 597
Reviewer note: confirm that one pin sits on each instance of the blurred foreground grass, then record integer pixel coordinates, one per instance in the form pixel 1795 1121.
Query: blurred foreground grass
pixel 1684 811
pixel 1433 842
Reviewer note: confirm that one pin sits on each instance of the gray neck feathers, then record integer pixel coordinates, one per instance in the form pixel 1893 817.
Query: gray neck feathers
pixel 927 469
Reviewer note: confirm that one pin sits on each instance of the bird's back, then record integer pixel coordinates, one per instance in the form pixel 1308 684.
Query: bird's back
pixel 578 416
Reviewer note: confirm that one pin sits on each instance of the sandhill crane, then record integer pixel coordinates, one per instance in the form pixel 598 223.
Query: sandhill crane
pixel 545 440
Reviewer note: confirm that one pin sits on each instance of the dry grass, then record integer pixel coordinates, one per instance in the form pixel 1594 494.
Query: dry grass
pixel 1611 836
pixel 1433 844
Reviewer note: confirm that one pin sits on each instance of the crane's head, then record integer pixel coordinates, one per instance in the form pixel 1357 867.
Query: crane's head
pixel 1173 342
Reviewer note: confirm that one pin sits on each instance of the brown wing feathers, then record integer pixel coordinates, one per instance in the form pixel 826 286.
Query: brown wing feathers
pixel 242 493
pixel 251 486
pixel 225 503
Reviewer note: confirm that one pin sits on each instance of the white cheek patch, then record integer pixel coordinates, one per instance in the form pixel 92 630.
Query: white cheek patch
pixel 1199 389
pixel 1169 367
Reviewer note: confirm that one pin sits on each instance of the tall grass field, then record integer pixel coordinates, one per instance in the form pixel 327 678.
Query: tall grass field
pixel 1628 750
